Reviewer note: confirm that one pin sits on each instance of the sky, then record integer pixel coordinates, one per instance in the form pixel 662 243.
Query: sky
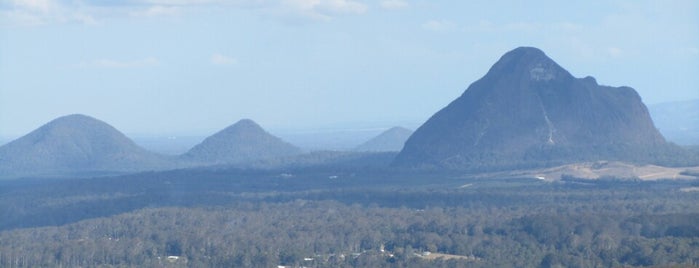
pixel 174 67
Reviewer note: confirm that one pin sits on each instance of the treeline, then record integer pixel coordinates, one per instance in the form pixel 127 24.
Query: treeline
pixel 331 234
pixel 497 223
pixel 28 203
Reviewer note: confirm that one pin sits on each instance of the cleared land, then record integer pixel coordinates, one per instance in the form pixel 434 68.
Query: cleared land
pixel 601 169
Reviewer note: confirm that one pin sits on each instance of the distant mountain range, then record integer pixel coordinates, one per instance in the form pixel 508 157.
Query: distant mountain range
pixel 678 121
pixel 528 111
pixel 79 145
pixel 391 140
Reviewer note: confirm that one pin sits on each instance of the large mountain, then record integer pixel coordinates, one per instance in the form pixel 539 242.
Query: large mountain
pixel 76 145
pixel 391 140
pixel 529 111
pixel 677 120
pixel 240 142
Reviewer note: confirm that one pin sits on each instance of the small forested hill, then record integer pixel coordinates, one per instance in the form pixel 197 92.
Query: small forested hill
pixel 76 145
pixel 391 140
pixel 528 111
pixel 240 142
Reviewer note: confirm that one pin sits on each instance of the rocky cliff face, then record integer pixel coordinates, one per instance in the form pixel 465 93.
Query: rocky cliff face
pixel 528 110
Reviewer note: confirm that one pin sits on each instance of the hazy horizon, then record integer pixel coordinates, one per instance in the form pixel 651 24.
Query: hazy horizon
pixel 163 67
pixel 337 136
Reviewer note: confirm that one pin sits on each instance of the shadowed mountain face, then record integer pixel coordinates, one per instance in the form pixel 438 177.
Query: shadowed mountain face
pixel 240 142
pixel 391 140
pixel 76 145
pixel 529 110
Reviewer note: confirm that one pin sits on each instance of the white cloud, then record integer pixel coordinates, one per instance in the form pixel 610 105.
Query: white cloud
pixel 439 26
pixel 157 10
pixel 35 5
pixel 30 12
pixel 180 2
pixel 614 52
pixel 16 17
pixel 393 4
pixel 315 9
pixel 220 59
pixel 41 12
pixel 342 6
pixel 319 9
pixel 120 64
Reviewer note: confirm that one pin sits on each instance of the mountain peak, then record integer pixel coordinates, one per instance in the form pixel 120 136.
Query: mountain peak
pixel 76 117
pixel 243 127
pixel 243 141
pixel 527 50
pixel 246 123
pixel 76 120
pixel 525 55
pixel 79 128
pixel 528 63
pixel 75 144
pixel 527 109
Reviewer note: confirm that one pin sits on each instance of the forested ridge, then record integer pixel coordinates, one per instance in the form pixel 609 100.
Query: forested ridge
pixel 243 221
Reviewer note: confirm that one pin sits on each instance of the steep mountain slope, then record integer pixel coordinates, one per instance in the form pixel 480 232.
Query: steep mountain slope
pixel 76 145
pixel 391 140
pixel 528 111
pixel 677 120
pixel 240 142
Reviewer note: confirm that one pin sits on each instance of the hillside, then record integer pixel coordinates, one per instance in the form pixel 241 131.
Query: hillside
pixel 76 145
pixel 240 142
pixel 529 111
pixel 391 140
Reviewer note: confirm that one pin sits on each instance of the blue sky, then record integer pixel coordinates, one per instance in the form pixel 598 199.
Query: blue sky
pixel 196 66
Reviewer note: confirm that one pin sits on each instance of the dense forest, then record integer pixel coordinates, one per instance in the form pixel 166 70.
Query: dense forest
pixel 245 218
